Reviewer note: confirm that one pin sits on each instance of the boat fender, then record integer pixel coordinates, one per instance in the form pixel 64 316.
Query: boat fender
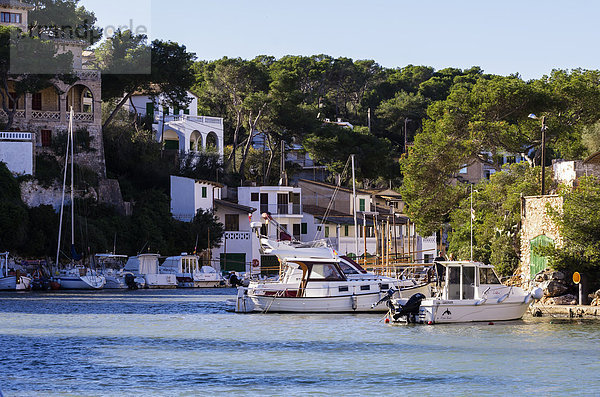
pixel 503 298
pixel 537 293
pixel 354 302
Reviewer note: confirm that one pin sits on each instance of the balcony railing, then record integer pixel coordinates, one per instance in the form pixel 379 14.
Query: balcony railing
pixel 186 117
pixel 281 209
pixel 45 115
pixel 87 74
pixel 19 114
pixel 237 236
pixel 16 136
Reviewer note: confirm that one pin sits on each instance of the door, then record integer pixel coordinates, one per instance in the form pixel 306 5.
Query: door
pixel 264 203
pixel 538 262
pixel 468 282
pixel 282 203
pixel 46 138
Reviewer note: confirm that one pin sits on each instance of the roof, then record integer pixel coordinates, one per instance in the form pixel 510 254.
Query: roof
pixel 320 211
pixel 333 187
pixel 341 218
pixel 16 4
pixel 593 159
pixel 236 206
pixel 215 184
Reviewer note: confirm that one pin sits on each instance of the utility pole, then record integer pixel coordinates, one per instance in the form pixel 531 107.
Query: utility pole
pixel 543 155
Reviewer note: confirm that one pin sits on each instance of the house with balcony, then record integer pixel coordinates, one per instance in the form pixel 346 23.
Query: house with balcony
pixel 238 247
pixel 479 169
pixel 329 214
pixel 45 114
pixel 180 129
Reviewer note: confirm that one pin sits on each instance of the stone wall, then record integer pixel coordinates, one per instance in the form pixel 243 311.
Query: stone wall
pixel 536 222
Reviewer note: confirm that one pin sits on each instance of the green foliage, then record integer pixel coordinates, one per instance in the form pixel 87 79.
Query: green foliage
pixel 47 169
pixel 579 224
pixel 497 217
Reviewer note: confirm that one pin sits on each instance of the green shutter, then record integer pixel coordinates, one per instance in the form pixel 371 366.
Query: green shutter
pixel 186 111
pixel 204 192
pixel 304 228
pixel 362 205
pixel 166 110
pixel 538 262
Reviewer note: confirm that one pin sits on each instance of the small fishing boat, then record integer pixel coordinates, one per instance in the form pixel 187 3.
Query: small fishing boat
pixel 146 266
pixel 467 292
pixel 189 272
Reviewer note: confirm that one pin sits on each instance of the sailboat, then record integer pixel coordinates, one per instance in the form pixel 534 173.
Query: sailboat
pixel 76 276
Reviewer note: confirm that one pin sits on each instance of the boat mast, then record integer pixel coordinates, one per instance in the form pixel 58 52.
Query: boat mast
pixel 62 203
pixel 72 185
pixel 354 207
pixel 472 216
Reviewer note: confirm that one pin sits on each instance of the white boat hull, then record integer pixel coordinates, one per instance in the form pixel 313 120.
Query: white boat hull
pixel 436 311
pixel 82 282
pixel 115 282
pixel 327 304
pixel 8 283
pixel 160 281
pixel 24 283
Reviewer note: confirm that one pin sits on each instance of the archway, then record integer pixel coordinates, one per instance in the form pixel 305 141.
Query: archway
pixel 212 142
pixel 171 140
pixel 81 99
pixel 196 141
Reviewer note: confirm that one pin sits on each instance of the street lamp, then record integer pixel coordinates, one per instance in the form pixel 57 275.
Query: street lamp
pixel 533 116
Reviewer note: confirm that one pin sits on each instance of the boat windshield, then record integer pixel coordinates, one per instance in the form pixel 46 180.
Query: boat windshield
pixel 325 272
pixel 347 269
pixel 488 276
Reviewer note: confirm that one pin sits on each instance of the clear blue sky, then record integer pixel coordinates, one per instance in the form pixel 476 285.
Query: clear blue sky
pixel 530 37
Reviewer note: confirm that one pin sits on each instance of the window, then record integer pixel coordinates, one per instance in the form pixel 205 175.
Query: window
pixel 487 174
pixel 325 272
pixel 304 228
pixel 46 138
pixel 186 111
pixel 166 110
pixel 326 231
pixel 296 231
pixel 361 205
pixel 253 196
pixel 204 191
pixel 282 203
pixel 487 276
pixel 295 200
pixel 150 109
pixel 176 111
pixel 232 222
pixel 36 101
pixel 10 17
pixel 11 102
pixel 264 203
pixel 346 230
pixel 464 170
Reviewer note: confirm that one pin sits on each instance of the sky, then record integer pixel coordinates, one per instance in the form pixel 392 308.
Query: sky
pixel 529 37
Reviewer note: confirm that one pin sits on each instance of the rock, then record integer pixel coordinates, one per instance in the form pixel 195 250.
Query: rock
pixel 553 288
pixel 562 300
pixel 557 276
pixel 595 302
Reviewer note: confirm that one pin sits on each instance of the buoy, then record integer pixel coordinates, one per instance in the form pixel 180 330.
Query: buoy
pixel 490 323
pixel 387 320
pixel 430 323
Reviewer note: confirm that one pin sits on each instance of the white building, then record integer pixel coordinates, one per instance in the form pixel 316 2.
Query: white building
pixel 16 150
pixel 180 129
pixel 238 249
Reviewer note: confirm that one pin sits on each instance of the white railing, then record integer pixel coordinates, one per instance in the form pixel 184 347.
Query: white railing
pixel 16 136
pixel 196 119
pixel 45 115
pixel 237 235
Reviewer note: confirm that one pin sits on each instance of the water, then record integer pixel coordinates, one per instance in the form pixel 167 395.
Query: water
pixel 185 342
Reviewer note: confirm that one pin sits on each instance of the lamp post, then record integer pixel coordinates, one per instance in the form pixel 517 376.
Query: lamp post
pixel 533 116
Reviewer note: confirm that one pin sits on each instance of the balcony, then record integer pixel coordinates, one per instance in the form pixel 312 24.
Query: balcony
pixel 87 74
pixel 237 236
pixel 16 136
pixel 281 209
pixel 186 117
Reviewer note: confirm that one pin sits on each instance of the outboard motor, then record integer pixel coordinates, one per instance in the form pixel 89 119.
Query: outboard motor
pixel 234 280
pixel 130 281
pixel 387 299
pixel 410 310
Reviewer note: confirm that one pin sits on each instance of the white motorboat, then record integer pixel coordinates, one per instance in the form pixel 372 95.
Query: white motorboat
pixel 189 272
pixel 80 277
pixel 12 280
pixel 111 267
pixel 309 285
pixel 147 266
pixel 468 292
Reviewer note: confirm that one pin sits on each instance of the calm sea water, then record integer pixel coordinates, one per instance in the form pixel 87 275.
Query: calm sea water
pixel 186 342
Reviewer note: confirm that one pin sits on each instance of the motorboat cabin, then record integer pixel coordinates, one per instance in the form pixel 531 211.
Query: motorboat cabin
pixel 147 265
pixel 190 273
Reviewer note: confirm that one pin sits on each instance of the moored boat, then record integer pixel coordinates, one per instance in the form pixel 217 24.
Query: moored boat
pixel 468 292
pixel 190 273
pixel 147 266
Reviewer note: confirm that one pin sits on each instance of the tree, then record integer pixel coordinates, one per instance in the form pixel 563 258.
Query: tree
pixel 129 64
pixel 579 225
pixel 496 218
pixel 395 113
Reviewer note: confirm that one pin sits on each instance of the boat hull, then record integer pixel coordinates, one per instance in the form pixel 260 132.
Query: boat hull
pixel 114 282
pixel 328 304
pixel 82 282
pixel 435 311
pixel 160 281
pixel 8 283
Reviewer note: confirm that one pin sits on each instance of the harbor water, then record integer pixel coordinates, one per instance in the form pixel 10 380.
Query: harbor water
pixel 188 342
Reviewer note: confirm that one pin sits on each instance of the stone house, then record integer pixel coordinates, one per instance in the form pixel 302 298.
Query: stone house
pixel 45 114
